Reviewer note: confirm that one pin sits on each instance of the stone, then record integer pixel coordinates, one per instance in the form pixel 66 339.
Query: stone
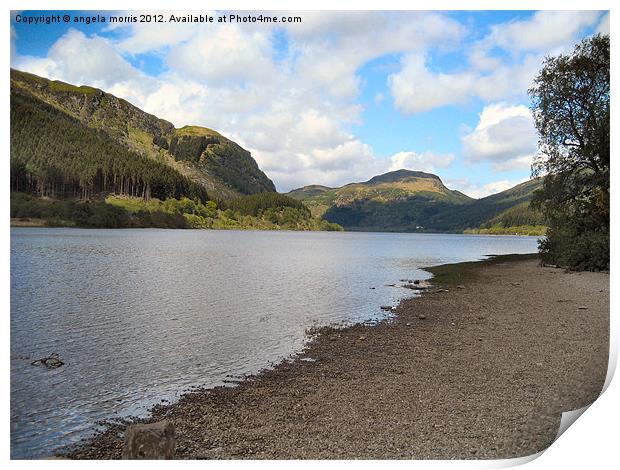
pixel 422 316
pixel 386 307
pixel 153 441
pixel 51 362
pixel 460 287
pixel 416 282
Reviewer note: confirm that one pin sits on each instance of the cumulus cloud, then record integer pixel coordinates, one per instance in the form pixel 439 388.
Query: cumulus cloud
pixel 77 58
pixel 425 161
pixel 224 55
pixel 505 136
pixel 477 191
pixel 544 31
pixel 153 37
pixel 416 89
pixel 490 76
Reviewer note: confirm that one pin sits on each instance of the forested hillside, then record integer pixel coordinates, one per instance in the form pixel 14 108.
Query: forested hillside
pixel 413 201
pixel 55 155
pixel 223 168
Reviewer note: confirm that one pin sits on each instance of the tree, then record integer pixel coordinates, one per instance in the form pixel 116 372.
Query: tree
pixel 570 102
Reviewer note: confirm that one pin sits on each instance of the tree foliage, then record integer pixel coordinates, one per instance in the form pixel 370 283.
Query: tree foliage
pixel 570 101
pixel 55 155
pixel 256 204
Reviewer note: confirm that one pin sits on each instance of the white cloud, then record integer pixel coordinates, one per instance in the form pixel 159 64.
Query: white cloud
pixel 544 31
pixel 223 55
pixel 78 59
pixel 426 161
pixel 478 191
pixel 490 76
pixel 505 136
pixel 150 37
pixel 416 89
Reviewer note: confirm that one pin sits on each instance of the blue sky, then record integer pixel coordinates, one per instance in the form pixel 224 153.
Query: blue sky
pixel 338 98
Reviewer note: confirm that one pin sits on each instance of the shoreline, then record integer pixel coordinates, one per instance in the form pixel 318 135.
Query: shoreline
pixel 41 223
pixel 464 371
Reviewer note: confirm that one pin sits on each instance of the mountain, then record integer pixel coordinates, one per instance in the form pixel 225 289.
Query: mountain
pixel 136 143
pixel 388 201
pixel 509 208
pixel 410 201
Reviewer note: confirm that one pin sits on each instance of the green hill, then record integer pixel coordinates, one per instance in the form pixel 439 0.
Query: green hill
pixel 410 201
pixel 82 157
pixel 395 201
pixel 200 155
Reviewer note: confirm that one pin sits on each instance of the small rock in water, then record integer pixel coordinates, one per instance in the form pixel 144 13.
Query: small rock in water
pixel 416 282
pixel 582 308
pixel 154 441
pixel 460 287
pixel 372 288
pixel 361 338
pixel 386 307
pixel 422 316
pixel 407 324
pixel 51 362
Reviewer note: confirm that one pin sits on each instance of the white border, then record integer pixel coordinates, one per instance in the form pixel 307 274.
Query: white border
pixel 591 442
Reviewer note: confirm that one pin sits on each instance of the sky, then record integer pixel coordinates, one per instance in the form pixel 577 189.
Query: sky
pixel 337 98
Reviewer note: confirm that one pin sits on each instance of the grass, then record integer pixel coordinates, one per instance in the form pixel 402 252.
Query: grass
pixel 460 273
pixel 196 131
pixel 58 86
pixel 143 140
pixel 531 230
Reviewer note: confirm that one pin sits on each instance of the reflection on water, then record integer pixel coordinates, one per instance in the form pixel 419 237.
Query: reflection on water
pixel 141 315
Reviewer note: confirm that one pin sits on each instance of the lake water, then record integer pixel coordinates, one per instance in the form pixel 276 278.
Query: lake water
pixel 141 315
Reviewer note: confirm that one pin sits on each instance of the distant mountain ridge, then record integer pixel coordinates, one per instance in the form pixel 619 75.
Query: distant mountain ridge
pixel 411 201
pixel 393 187
pixel 219 165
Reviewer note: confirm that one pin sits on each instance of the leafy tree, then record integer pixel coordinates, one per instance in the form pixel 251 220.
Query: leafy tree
pixel 255 204
pixel 570 101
